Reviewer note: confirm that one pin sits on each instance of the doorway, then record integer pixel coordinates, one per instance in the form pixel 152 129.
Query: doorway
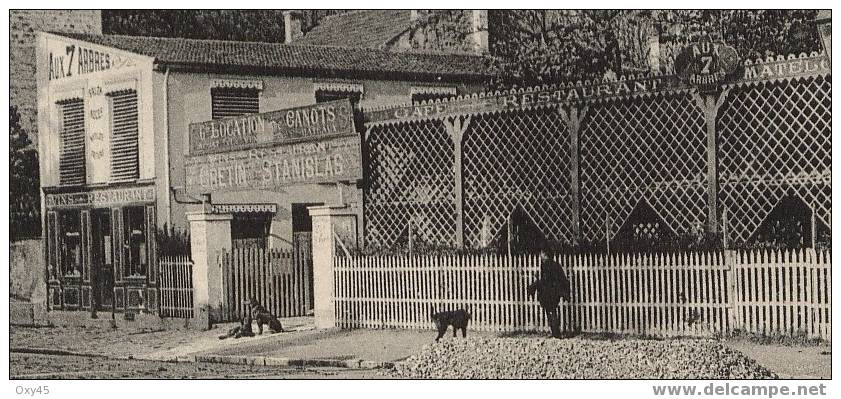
pixel 102 262
pixel 302 246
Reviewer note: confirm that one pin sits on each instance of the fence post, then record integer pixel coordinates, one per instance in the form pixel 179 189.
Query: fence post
pixel 730 258
pixel 328 224
pixel 209 233
pixel 573 120
pixel 709 105
pixel 456 127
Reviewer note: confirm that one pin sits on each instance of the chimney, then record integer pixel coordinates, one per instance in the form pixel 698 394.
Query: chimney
pixel 654 52
pixel 479 31
pixel 824 22
pixel 292 25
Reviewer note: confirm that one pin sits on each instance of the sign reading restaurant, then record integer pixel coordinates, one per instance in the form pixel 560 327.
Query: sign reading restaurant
pixel 705 66
pixel 101 197
pixel 303 123
pixel 516 99
pixel 312 144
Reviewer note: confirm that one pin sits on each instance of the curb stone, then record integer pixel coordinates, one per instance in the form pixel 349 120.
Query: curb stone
pixel 285 361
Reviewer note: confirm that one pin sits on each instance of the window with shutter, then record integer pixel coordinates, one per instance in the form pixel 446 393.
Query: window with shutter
pixel 322 96
pixel 228 102
pixel 71 161
pixel 124 129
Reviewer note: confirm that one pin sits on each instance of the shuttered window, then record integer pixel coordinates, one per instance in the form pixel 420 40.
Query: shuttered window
pixel 124 153
pixel 322 96
pixel 228 102
pixel 71 160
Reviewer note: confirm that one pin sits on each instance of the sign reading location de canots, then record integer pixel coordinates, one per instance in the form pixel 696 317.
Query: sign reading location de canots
pixel 706 64
pixel 332 118
pixel 313 144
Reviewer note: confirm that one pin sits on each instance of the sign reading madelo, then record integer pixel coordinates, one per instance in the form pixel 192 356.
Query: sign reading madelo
pixel 325 119
pixel 243 156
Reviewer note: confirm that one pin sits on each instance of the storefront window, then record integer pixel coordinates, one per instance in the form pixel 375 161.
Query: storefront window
pixel 134 245
pixel 70 244
pixel 250 229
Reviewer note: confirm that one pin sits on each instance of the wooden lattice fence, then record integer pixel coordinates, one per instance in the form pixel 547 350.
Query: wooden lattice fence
pixel 775 140
pixel 662 294
pixel 583 170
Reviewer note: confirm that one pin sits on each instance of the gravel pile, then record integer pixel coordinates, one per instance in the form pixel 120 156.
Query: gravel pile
pixel 541 358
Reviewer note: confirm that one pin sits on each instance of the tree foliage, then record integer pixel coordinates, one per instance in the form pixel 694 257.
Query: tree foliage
pixel 533 47
pixel 241 25
pixel 24 182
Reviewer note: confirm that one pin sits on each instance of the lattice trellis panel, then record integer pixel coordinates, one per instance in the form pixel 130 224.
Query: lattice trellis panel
pixel 774 140
pixel 652 149
pixel 410 177
pixel 517 159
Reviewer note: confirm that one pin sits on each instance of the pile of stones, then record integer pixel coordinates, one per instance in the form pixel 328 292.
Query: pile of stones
pixel 575 358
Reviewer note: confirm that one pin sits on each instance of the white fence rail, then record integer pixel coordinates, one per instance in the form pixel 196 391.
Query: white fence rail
pixel 660 294
pixel 176 287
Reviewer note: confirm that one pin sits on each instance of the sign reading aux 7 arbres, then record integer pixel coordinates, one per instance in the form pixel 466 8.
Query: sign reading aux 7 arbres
pixel 312 144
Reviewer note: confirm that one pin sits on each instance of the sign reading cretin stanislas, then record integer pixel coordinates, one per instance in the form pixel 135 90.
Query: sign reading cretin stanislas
pixel 317 121
pixel 264 168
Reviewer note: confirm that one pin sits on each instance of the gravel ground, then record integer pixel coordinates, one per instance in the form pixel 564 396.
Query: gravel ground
pixel 541 358
pixel 45 367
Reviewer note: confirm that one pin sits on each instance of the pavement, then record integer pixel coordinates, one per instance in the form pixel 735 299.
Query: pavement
pixel 303 345
pixel 797 362
pixel 300 345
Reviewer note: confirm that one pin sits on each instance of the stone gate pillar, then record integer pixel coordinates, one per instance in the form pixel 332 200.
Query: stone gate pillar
pixel 333 232
pixel 209 233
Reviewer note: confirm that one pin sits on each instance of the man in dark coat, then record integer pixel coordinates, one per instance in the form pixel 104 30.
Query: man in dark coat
pixel 551 287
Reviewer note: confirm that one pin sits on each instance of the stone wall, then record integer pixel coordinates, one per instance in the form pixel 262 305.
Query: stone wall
pixel 22 27
pixel 27 281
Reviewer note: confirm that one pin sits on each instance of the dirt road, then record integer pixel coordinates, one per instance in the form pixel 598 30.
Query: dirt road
pixel 44 367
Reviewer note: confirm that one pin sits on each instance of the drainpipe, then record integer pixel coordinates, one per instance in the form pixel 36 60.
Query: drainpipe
pixel 166 150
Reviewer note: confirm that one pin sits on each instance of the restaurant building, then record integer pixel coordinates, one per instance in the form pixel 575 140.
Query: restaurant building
pixel 137 131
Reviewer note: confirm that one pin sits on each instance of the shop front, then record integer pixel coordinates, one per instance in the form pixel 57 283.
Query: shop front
pixel 266 169
pixel 101 250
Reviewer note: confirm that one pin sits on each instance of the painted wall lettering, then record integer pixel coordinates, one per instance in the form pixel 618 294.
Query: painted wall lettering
pixel 296 124
pixel 101 197
pixel 68 60
pixel 585 92
pixel 327 160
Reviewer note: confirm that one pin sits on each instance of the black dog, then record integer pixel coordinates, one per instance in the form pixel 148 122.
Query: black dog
pixel 456 318
pixel 259 313
pixel 242 330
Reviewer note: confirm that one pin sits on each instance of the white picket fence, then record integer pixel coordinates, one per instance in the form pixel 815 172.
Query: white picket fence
pixel 652 294
pixel 176 287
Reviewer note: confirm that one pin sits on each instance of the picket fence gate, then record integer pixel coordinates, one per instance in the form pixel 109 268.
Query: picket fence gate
pixel 176 287
pixel 700 294
pixel 278 278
